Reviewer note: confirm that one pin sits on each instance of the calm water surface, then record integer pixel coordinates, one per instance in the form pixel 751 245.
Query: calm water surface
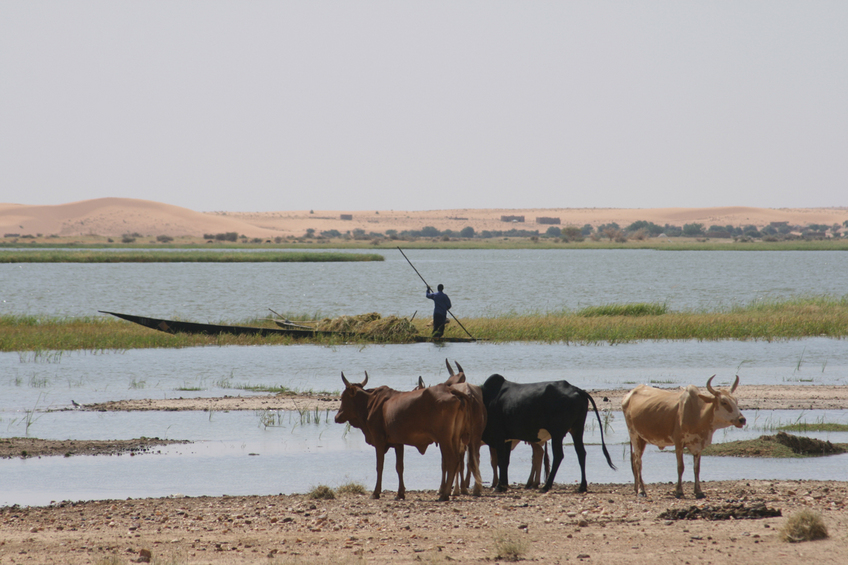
pixel 478 282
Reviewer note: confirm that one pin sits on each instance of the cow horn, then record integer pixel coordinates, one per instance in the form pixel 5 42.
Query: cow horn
pixel 344 380
pixel 459 367
pixel 450 369
pixel 421 383
pixel 365 382
pixel 735 384
pixel 710 388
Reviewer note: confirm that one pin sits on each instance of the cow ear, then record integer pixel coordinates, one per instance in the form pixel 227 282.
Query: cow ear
pixel 344 380
pixel 450 369
pixel 735 384
pixel 365 382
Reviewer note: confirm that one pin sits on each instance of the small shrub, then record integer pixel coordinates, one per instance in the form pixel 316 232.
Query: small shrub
pixel 352 488
pixel 510 546
pixel 322 492
pixel 805 525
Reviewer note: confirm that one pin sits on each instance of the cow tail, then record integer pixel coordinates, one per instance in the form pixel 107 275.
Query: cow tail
pixel 464 415
pixel 601 427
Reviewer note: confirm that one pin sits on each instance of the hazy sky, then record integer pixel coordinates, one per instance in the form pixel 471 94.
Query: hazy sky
pixel 425 105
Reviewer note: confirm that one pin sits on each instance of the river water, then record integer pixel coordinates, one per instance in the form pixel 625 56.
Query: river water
pixel 479 282
pixel 236 453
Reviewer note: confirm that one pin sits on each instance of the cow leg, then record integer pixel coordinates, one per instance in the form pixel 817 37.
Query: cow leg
pixel 401 494
pixel 678 451
pixel 504 451
pixel 459 482
pixel 580 449
pixel 556 447
pixel 637 448
pixel 493 458
pixel 697 466
pixel 450 465
pixel 474 468
pixel 535 467
pixel 381 457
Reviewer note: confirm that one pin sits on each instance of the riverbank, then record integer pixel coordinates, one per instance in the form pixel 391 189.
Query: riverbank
pixel 754 397
pixel 609 524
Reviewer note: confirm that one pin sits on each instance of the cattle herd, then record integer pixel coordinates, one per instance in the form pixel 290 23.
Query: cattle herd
pixel 459 417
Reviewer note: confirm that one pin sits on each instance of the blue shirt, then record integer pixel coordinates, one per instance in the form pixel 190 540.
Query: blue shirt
pixel 441 302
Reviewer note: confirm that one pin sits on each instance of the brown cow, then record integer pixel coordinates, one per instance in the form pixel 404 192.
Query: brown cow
pixel 684 418
pixel 478 417
pixel 390 418
pixel 476 424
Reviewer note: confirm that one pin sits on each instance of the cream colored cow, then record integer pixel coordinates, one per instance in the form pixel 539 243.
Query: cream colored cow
pixel 684 418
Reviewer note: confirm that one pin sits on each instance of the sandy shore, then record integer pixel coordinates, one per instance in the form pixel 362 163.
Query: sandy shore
pixel 756 397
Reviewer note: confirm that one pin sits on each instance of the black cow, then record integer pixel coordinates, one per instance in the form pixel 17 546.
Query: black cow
pixel 536 412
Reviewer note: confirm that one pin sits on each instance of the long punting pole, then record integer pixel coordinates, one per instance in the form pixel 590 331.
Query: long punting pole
pixel 428 286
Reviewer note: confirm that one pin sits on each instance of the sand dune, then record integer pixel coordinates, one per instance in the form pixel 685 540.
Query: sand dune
pixel 114 217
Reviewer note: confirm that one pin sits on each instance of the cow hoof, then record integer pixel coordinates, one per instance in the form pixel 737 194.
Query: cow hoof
pixel 700 495
pixel 376 496
pixel 500 488
pixel 678 495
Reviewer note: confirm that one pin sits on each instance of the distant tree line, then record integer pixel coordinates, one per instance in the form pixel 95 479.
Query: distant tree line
pixel 638 230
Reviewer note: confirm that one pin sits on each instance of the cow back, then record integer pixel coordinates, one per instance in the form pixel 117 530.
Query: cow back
pixel 424 416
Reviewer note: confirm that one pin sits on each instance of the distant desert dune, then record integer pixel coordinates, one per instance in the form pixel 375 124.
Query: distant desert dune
pixel 114 217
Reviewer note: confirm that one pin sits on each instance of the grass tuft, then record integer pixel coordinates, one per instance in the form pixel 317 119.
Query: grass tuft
pixel 352 489
pixel 805 525
pixel 511 546
pixel 321 492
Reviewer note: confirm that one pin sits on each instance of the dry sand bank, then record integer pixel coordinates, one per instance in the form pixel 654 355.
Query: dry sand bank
pixel 755 397
pixel 114 217
pixel 606 525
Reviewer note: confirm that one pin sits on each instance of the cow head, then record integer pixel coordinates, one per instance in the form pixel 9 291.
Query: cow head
pixel 348 411
pixel 727 410
pixel 455 378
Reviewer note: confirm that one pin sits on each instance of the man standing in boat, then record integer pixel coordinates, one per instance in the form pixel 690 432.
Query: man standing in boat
pixel 441 305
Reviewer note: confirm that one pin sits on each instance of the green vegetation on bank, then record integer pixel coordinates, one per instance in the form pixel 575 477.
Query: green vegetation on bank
pixel 162 256
pixel 787 319
pixel 782 445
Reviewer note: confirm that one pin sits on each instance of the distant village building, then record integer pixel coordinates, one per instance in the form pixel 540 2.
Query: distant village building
pixel 512 219
pixel 547 220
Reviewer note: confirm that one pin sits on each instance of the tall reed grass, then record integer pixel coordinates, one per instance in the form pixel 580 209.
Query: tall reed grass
pixel 158 256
